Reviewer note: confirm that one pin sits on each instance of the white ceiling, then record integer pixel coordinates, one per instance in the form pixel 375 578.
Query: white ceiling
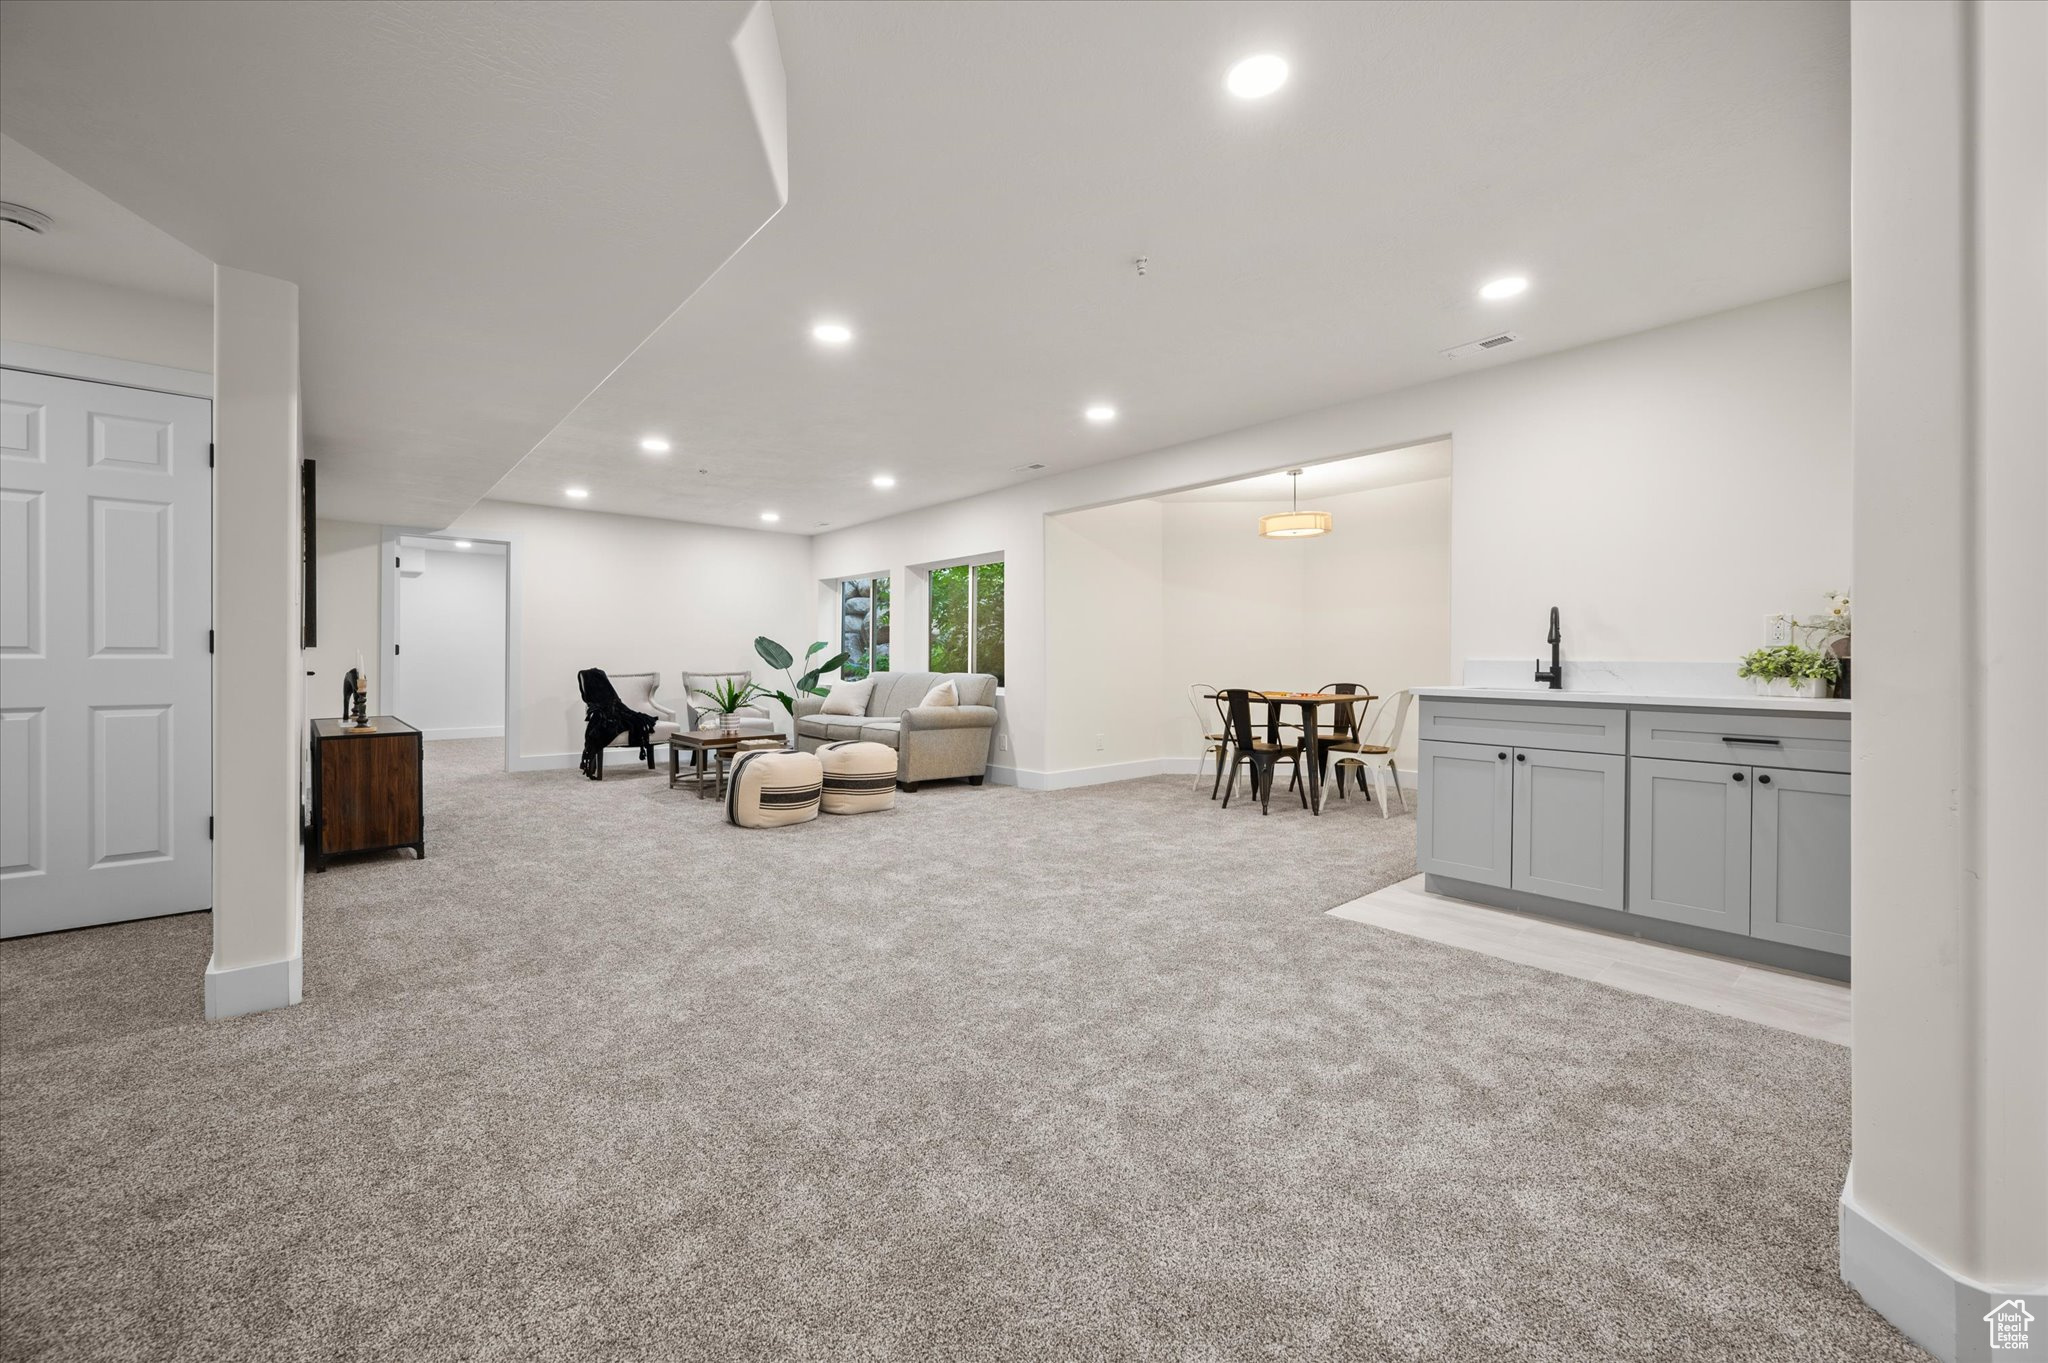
pixel 91 236
pixel 970 183
pixel 485 207
pixel 1361 473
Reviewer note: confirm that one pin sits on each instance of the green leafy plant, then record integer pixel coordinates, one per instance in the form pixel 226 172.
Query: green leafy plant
pixel 1791 663
pixel 727 695
pixel 783 661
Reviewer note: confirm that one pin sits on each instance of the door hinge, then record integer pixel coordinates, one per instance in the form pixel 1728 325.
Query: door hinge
pixel 209 828
pixel 209 454
pixel 209 641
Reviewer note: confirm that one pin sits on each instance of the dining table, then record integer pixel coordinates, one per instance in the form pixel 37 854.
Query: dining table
pixel 1311 703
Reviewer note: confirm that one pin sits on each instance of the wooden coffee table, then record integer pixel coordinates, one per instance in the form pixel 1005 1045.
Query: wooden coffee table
pixel 711 752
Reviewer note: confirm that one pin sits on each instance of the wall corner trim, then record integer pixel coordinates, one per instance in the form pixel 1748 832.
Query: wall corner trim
pixel 1931 1304
pixel 251 988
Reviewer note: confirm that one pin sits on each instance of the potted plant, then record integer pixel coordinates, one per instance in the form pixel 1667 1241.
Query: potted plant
pixel 780 658
pixel 728 697
pixel 1790 670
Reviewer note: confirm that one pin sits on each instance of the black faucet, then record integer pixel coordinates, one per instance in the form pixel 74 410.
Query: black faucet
pixel 1555 676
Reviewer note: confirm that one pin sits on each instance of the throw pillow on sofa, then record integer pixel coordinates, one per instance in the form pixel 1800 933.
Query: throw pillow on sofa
pixel 848 698
pixel 945 693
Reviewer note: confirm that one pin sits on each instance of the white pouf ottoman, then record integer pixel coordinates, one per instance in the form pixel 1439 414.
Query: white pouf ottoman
pixel 771 789
pixel 860 778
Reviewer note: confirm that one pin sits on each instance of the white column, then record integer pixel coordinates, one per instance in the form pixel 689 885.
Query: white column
pixel 1946 1210
pixel 258 695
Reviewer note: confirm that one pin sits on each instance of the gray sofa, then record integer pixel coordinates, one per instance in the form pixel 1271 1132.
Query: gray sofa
pixel 931 744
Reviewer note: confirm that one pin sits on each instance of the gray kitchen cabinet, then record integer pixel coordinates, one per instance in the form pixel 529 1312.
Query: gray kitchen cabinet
pixel 1570 824
pixel 1464 812
pixel 1799 858
pixel 1689 842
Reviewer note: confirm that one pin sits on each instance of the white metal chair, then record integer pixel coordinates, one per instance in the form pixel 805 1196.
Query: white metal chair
pixel 1373 751
pixel 1207 704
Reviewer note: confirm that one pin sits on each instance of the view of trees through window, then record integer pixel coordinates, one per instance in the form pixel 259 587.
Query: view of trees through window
pixel 864 626
pixel 967 619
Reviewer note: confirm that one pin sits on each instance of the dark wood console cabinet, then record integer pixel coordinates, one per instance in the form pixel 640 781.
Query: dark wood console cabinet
pixel 367 795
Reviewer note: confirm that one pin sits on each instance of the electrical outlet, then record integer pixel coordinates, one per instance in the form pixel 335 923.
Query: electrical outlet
pixel 1098 742
pixel 1777 630
pixel 1002 742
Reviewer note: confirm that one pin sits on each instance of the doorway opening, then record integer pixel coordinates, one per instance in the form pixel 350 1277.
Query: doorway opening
pixel 446 660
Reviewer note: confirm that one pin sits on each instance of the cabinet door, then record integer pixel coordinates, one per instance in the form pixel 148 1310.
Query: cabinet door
pixel 1688 842
pixel 1571 819
pixel 1799 859
pixel 1463 821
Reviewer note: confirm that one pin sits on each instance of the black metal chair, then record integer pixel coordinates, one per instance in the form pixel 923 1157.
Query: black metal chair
pixel 1247 747
pixel 1345 720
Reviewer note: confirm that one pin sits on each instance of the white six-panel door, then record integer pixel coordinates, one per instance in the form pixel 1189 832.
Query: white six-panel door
pixel 106 726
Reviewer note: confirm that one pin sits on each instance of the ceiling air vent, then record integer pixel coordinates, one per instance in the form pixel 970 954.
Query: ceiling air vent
pixel 1482 345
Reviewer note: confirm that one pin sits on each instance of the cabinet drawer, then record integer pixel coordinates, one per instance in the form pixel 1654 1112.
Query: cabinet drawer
pixel 1796 742
pixel 1526 724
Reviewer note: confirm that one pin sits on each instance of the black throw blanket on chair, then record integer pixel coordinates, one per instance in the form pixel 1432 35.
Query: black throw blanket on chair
pixel 605 717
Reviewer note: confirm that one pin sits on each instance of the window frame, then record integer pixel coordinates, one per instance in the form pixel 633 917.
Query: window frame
pixel 973 565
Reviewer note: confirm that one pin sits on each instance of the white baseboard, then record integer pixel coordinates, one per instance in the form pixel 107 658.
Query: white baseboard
pixel 1072 777
pixel 569 761
pixel 482 731
pixel 251 988
pixel 1940 1310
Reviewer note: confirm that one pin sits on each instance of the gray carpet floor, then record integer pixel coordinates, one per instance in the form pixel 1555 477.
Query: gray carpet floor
pixel 996 1075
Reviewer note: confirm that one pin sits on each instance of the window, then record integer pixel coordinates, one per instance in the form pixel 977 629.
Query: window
pixel 864 626
pixel 967 619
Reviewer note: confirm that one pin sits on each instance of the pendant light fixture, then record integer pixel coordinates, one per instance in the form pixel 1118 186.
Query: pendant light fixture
pixel 1295 524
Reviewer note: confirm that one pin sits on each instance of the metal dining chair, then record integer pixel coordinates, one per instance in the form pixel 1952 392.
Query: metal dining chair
pixel 1207 704
pixel 1247 748
pixel 1373 751
pixel 1344 720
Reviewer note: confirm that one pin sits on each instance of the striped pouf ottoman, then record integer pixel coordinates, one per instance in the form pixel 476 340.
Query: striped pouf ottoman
pixel 860 778
pixel 770 789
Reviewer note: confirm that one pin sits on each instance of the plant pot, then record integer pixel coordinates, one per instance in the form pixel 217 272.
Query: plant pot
pixel 729 723
pixel 1789 690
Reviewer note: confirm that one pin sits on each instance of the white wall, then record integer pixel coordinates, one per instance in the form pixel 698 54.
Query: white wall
pixel 258 689
pixel 1666 490
pixel 346 557
pixel 451 622
pixel 633 594
pixel 101 319
pixel 1105 633
pixel 1949 1186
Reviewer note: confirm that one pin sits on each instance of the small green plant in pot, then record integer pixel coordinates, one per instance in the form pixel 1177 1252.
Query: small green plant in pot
pixel 728 697
pixel 783 661
pixel 1789 670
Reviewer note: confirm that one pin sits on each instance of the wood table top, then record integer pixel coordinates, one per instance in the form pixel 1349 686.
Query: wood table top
pixel 1315 697
pixel 709 738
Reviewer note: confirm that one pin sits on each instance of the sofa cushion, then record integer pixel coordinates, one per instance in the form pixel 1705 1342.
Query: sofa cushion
pixel 848 698
pixel 824 726
pixel 889 731
pixel 769 789
pixel 945 693
pixel 860 778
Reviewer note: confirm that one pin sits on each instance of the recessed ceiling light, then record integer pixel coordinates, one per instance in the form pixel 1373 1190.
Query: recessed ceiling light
pixel 654 444
pixel 883 480
pixel 1504 288
pixel 771 515
pixel 464 544
pixel 1256 77
pixel 832 333
pixel 1099 412
pixel 579 493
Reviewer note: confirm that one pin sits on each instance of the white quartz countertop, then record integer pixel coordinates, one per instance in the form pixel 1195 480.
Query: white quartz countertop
pixel 1635 700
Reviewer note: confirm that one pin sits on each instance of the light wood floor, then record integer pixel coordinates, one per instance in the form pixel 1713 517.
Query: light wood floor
pixel 1776 998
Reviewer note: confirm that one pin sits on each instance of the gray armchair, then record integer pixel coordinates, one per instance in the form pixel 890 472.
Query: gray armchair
pixel 753 719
